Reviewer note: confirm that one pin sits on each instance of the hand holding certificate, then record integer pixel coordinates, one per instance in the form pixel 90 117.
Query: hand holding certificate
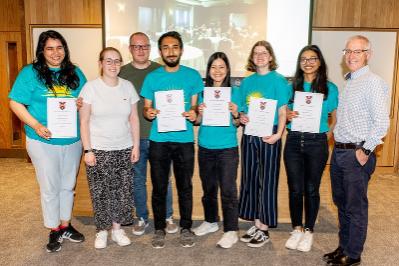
pixel 261 114
pixel 308 105
pixel 171 107
pixel 217 112
pixel 62 117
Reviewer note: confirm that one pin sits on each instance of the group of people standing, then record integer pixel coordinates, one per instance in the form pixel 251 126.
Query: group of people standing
pixel 119 133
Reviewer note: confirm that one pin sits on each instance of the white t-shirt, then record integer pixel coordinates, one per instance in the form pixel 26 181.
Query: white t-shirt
pixel 110 111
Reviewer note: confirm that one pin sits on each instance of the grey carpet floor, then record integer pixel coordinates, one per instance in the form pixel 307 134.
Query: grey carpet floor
pixel 22 235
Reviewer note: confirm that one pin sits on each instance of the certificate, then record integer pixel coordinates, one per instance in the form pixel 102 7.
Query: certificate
pixel 171 106
pixel 62 117
pixel 308 105
pixel 216 111
pixel 261 114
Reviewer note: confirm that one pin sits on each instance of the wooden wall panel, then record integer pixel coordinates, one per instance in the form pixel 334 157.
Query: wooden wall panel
pixel 63 12
pixel 11 12
pixel 380 14
pixel 337 13
pixel 6 84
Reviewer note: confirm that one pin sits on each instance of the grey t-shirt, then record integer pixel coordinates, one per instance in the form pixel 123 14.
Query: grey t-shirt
pixel 137 76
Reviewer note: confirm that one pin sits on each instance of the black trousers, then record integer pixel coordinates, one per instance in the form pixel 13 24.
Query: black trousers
pixel 161 155
pixel 218 168
pixel 305 157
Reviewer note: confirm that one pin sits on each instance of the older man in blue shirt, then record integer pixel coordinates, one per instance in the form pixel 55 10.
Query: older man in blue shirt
pixel 362 121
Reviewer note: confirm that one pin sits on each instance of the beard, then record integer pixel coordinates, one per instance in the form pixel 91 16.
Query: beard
pixel 171 63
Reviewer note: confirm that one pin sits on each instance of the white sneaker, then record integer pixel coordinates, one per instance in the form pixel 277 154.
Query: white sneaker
pixel 206 228
pixel 295 238
pixel 101 239
pixel 228 239
pixel 119 236
pixel 305 245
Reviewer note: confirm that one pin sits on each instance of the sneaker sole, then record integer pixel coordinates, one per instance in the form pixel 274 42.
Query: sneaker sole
pixel 52 251
pixel 304 250
pixel 100 247
pixel 245 240
pixel 188 246
pixel 228 246
pixel 291 248
pixel 258 245
pixel 213 230
pixel 158 247
pixel 73 240
pixel 138 233
pixel 172 231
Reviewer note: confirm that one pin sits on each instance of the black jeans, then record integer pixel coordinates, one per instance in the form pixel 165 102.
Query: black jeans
pixel 349 182
pixel 182 155
pixel 305 157
pixel 218 167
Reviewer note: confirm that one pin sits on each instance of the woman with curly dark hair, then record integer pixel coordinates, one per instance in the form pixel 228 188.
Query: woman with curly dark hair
pixel 56 159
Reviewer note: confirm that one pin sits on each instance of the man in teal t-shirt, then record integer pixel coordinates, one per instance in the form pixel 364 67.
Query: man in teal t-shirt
pixel 173 146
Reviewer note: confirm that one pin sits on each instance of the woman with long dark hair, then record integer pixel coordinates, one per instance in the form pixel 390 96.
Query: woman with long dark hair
pixel 261 155
pixel 56 160
pixel 218 158
pixel 306 154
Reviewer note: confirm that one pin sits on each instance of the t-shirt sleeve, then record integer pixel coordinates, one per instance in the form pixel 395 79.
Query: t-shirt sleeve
pixel 290 103
pixel 236 97
pixel 283 92
pixel 332 97
pixel 198 84
pixel 87 93
pixel 146 89
pixel 82 78
pixel 22 89
pixel 243 105
pixel 134 96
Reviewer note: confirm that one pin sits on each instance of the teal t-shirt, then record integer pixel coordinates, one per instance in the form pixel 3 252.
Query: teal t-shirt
pixel 211 137
pixel 31 92
pixel 186 79
pixel 329 104
pixel 269 86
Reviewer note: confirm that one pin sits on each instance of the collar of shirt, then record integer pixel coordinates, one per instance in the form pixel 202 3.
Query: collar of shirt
pixel 357 73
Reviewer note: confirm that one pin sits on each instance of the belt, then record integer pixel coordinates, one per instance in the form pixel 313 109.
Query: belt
pixel 349 146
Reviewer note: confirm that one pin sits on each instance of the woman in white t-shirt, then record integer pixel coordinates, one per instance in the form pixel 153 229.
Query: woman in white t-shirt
pixel 110 135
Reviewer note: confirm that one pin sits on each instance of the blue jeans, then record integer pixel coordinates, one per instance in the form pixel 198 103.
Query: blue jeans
pixel 139 184
pixel 305 156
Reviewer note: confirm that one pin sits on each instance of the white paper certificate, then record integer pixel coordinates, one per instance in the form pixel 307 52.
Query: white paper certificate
pixel 216 112
pixel 62 117
pixel 171 106
pixel 261 114
pixel 308 105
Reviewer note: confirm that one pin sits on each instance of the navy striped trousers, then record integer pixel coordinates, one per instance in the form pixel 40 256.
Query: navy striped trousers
pixel 259 180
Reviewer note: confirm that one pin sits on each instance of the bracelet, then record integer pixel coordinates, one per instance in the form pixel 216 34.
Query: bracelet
pixel 87 151
pixel 236 117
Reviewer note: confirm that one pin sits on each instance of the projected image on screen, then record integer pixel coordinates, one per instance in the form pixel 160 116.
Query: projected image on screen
pixel 206 26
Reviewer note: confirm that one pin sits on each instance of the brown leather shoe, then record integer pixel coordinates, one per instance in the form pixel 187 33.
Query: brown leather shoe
pixel 343 260
pixel 332 255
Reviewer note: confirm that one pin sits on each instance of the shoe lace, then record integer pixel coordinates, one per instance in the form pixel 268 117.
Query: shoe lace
pixel 252 231
pixel 170 220
pixel 260 235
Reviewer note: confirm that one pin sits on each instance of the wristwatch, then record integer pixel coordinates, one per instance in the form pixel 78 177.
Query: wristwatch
pixel 366 151
pixel 87 151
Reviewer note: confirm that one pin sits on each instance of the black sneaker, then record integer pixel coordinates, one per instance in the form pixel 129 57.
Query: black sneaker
pixel 71 234
pixel 249 234
pixel 54 242
pixel 261 237
pixel 186 238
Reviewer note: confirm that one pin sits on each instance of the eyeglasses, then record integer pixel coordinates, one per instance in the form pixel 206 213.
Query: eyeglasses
pixel 355 52
pixel 109 61
pixel 140 47
pixel 260 54
pixel 311 60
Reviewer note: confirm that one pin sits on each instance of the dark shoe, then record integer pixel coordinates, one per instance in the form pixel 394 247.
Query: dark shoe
pixel 343 260
pixel 249 234
pixel 332 255
pixel 72 234
pixel 54 242
pixel 158 240
pixel 186 238
pixel 261 237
